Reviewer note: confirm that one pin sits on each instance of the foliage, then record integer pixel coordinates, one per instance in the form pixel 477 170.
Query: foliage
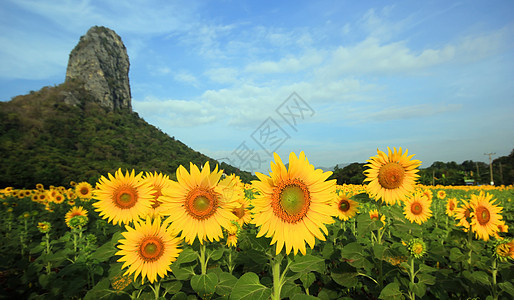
pixel 360 259
pixel 45 140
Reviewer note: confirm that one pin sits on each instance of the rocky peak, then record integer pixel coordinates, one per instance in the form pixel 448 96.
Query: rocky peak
pixel 101 62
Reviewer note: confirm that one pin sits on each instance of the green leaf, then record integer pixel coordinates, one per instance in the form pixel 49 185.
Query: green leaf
pixel 105 252
pixel 204 285
pixel 418 288
pixel 328 250
pixel 365 225
pixel 307 279
pixel 355 255
pixel 183 272
pixel 426 278
pixel 101 289
pixel 426 269
pixel 345 279
pixel 172 287
pixel 249 287
pixel 179 296
pixel 186 256
pixel 391 291
pixel 225 284
pixel 478 277
pixel 307 263
pixel 216 254
pixel 507 287
pixel 456 255
pixel 303 297
pixel 289 289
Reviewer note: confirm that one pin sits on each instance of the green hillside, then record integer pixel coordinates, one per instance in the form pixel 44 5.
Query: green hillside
pixel 45 140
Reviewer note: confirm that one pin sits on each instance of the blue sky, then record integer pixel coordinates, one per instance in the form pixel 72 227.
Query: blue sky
pixel 237 80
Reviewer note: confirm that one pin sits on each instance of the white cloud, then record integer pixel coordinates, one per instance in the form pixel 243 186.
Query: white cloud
pixel 186 77
pixel 289 64
pixel 222 75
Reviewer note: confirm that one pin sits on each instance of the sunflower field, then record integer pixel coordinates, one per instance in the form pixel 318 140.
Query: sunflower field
pixel 291 234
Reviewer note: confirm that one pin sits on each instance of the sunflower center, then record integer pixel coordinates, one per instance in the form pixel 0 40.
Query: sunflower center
pixel 416 208
pixel 151 248
pixel 84 191
pixel 291 200
pixel 239 212
pixel 417 248
pixel 344 205
pixel 125 197
pixel 452 205
pixel 483 215
pixel 201 203
pixel 391 175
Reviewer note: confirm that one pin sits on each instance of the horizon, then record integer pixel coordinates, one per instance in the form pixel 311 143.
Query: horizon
pixel 238 81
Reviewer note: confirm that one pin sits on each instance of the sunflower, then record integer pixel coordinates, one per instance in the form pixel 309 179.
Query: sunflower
pixel 463 215
pixel 417 247
pixel 429 194
pixel 148 249
pixel 196 206
pixel 486 216
pixel 417 209
pixel 123 198
pixel 58 198
pixel 451 205
pixel 44 227
pixel 158 181
pixel 232 187
pixel 40 186
pixel 374 215
pixel 344 207
pixel 293 204
pixel 232 234
pixel 391 177
pixel 441 194
pixel 74 211
pixel 84 190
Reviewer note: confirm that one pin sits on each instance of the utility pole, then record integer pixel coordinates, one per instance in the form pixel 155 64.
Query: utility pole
pixel 491 165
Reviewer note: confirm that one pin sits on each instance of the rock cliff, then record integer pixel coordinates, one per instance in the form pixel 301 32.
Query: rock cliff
pixel 101 63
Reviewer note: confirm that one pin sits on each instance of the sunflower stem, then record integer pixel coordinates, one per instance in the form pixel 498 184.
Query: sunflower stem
pixel 494 272
pixel 203 260
pixel 277 278
pixel 412 275
pixel 470 240
pixel 155 288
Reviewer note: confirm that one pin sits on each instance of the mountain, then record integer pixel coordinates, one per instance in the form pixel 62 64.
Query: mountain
pixel 85 127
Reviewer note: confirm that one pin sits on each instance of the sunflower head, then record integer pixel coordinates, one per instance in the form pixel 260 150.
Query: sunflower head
pixel 77 222
pixel 486 216
pixel 441 194
pixel 344 207
pixel 293 204
pixel 123 198
pixel 157 181
pixel 44 227
pixel 503 250
pixel 391 176
pixel 463 215
pixel 84 190
pixel 74 211
pixel 148 249
pixel 417 208
pixel 451 205
pixel 417 247
pixel 196 204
